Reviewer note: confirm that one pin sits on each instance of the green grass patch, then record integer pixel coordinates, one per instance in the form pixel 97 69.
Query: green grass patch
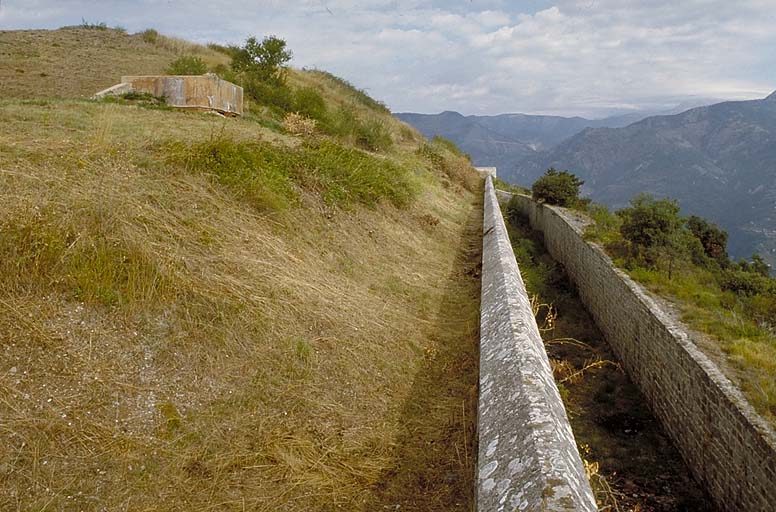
pixel 267 176
pixel 86 258
pixel 257 173
pixel 351 90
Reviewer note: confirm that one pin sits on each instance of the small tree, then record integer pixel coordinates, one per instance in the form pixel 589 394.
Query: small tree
pixel 649 222
pixel 557 187
pixel 262 61
pixel 713 239
pixel 654 227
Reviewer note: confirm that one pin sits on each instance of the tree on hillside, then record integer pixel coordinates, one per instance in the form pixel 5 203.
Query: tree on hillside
pixel 713 239
pixel 262 61
pixel 654 229
pixel 650 222
pixel 557 187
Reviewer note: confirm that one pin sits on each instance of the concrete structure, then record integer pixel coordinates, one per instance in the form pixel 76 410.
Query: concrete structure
pixel 200 92
pixel 729 448
pixel 487 171
pixel 528 459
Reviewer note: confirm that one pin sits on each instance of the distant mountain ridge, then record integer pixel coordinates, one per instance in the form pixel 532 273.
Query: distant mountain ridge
pixel 506 139
pixel 718 161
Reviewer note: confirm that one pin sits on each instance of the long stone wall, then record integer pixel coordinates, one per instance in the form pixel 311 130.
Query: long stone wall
pixel 729 448
pixel 528 459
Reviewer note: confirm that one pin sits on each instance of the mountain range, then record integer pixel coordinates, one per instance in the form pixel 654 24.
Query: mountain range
pixel 504 140
pixel 718 161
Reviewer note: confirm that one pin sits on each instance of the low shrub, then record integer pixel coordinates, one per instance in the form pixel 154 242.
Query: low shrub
pixel 93 26
pixel 744 283
pixel 340 123
pixel 373 136
pixel 298 124
pixel 187 65
pixel 309 102
pixel 149 35
pixel 278 97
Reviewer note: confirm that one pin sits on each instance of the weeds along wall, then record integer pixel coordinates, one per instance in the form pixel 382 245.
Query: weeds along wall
pixel 528 459
pixel 728 447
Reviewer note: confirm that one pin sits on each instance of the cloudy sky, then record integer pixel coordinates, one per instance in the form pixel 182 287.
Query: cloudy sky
pixel 588 57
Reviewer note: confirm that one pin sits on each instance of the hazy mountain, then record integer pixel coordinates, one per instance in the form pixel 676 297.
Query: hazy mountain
pixel 486 146
pixel 506 139
pixel 719 161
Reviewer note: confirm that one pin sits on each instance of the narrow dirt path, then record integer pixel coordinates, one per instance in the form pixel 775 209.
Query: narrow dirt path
pixel 435 454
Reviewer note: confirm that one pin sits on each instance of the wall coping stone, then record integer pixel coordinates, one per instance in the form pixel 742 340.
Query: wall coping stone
pixel 528 458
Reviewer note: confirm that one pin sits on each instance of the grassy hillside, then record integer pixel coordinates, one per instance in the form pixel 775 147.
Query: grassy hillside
pixel 199 313
pixel 78 62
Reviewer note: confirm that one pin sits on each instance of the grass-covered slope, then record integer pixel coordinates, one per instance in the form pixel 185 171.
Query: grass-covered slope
pixel 200 313
pixel 78 62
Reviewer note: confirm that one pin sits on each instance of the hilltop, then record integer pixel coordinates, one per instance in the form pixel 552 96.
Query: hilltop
pixel 203 313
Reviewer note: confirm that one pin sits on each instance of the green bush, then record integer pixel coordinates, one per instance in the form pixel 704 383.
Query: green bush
pixel 650 222
pixel 225 72
pixel 309 102
pixel 713 239
pixel 758 266
pixel 373 136
pixel 605 227
pixel 150 36
pixel 187 65
pixel 340 123
pixel 276 96
pixel 745 283
pixel 557 187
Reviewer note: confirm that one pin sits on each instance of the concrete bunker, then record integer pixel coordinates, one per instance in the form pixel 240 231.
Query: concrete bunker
pixel 198 92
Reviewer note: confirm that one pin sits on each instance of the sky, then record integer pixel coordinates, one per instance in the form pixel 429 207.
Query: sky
pixel 591 57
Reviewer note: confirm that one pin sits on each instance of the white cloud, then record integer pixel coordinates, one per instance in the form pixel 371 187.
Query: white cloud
pixel 588 57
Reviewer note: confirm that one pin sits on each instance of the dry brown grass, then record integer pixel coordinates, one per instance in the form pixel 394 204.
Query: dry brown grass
pixel 168 347
pixel 77 63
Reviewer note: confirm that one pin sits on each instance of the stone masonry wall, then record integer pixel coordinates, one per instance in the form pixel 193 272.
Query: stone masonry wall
pixel 528 459
pixel 729 448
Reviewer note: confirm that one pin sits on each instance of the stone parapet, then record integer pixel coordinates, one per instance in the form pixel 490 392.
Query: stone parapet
pixel 528 459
